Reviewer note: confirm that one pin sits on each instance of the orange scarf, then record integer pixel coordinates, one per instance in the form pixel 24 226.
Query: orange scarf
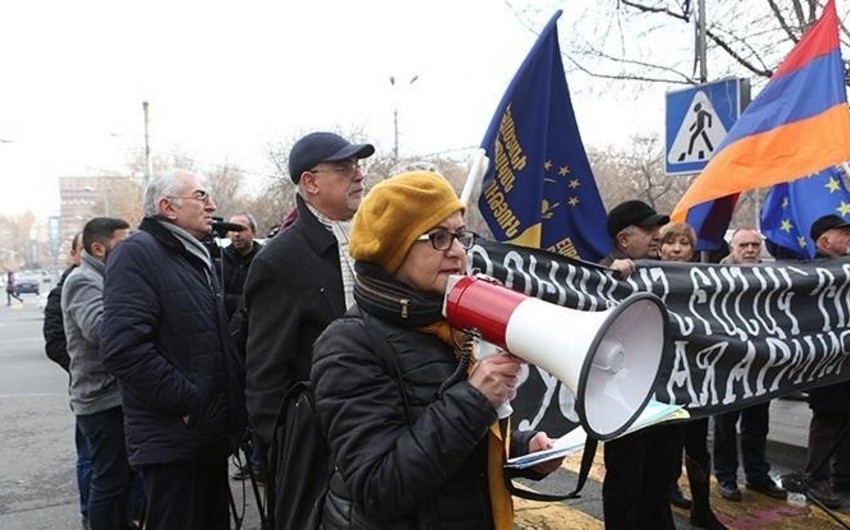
pixel 501 503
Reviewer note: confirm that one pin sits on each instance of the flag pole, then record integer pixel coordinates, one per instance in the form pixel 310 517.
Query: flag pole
pixel 477 169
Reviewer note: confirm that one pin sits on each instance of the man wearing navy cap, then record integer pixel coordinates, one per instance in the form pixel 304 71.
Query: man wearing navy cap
pixel 302 280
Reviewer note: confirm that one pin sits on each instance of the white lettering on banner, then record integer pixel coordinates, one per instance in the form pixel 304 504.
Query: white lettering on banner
pixel 825 289
pixel 738 334
pixel 680 377
pixel 768 323
pixel 699 297
pixel 551 383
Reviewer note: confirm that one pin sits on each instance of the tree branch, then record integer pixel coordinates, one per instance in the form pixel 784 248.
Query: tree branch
pixel 782 22
pixel 631 77
pixel 652 9
pixel 741 60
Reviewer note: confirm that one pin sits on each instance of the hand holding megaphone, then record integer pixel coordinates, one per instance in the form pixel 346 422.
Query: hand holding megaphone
pixel 611 360
pixel 496 375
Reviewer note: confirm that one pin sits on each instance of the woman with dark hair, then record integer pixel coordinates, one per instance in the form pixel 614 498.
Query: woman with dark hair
pixel 678 243
pixel 410 420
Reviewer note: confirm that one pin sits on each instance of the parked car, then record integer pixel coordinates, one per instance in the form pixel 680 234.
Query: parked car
pixel 27 283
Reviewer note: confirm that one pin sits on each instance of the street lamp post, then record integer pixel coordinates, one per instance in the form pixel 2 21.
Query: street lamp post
pixel 395 114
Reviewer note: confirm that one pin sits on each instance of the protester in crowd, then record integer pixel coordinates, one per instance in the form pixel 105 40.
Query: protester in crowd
pixel 56 348
pixel 164 337
pixel 95 396
pixel 416 445
pixel 55 344
pixel 744 249
pixel 11 291
pixel 304 277
pixel 641 466
pixel 828 467
pixel 236 260
pixel 678 243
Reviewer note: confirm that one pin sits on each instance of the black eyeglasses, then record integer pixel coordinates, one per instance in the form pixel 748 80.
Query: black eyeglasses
pixel 442 239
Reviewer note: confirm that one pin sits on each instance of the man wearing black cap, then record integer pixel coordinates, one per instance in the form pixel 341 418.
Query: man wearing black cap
pixel 831 234
pixel 303 279
pixel 634 227
pixel 828 474
pixel 639 467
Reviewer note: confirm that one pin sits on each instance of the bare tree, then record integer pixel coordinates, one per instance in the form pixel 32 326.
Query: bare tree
pixel 653 40
pixel 637 173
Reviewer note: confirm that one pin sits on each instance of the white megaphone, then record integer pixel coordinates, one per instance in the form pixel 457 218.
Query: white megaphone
pixel 609 359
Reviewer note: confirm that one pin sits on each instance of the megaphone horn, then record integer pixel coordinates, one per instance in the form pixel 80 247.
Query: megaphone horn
pixel 609 359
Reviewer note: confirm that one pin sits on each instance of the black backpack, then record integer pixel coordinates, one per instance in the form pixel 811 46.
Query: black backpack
pixel 300 463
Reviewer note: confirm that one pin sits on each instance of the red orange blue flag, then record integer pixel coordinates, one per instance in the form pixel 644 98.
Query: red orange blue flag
pixel 798 125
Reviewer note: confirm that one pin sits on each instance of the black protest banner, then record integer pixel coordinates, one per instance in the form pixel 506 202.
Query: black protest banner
pixel 739 334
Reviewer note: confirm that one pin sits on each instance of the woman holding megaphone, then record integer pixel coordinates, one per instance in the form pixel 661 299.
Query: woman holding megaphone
pixel 410 421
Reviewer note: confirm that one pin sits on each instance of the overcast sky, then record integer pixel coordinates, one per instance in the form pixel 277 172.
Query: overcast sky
pixel 224 79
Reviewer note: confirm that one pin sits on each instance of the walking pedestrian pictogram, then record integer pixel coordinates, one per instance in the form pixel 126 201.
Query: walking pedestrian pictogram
pixel 700 134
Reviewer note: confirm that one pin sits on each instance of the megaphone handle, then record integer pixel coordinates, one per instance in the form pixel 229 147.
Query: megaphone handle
pixel 505 410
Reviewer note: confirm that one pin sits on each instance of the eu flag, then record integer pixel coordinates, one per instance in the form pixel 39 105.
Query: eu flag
pixel 792 207
pixel 539 190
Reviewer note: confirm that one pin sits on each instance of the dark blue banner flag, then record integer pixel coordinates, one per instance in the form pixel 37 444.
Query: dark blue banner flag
pixel 539 190
pixel 792 207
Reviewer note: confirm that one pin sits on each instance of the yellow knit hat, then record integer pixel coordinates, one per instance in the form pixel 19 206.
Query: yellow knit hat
pixel 396 212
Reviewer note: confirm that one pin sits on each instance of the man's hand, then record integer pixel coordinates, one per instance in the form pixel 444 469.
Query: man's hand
pixel 624 267
pixel 541 442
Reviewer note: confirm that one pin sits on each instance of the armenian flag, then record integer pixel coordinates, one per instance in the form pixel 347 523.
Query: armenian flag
pixel 798 125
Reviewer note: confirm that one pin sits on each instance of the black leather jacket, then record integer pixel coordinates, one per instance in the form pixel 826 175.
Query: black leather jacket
pixel 425 470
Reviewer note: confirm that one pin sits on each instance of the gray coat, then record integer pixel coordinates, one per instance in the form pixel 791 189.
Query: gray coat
pixel 92 388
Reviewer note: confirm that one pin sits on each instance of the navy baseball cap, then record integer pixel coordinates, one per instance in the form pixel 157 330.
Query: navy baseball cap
pixel 319 147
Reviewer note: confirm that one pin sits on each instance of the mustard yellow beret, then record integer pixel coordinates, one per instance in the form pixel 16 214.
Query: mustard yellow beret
pixel 396 212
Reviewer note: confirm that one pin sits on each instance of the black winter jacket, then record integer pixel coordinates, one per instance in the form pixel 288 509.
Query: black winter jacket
pixel 164 338
pixel 55 344
pixel 428 470
pixel 294 290
pixel 234 272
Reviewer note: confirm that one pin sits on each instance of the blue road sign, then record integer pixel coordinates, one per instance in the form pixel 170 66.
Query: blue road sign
pixel 697 120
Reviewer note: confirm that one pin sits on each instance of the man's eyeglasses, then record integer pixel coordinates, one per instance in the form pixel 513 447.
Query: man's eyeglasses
pixel 199 195
pixel 348 169
pixel 442 239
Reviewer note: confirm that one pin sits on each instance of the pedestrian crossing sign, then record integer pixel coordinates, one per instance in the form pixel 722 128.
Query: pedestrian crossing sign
pixel 698 119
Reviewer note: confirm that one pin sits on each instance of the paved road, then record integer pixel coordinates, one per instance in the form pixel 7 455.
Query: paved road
pixel 38 489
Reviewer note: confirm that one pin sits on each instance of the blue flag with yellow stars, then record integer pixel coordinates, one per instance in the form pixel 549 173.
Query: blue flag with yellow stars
pixel 539 190
pixel 792 207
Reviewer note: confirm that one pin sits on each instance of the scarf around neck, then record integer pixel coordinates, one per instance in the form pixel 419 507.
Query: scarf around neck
pixel 381 294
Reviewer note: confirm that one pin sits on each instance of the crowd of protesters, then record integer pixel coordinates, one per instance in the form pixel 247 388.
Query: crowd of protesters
pixel 180 354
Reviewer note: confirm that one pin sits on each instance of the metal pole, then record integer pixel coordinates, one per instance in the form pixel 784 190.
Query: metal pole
pixel 701 43
pixel 148 163
pixel 395 133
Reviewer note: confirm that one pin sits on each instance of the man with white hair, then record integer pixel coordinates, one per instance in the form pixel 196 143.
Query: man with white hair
pixel 164 337
pixel 754 421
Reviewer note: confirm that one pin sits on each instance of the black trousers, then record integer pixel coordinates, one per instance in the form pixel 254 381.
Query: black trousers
pixel 824 431
pixel 754 426
pixel 187 495
pixel 639 469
